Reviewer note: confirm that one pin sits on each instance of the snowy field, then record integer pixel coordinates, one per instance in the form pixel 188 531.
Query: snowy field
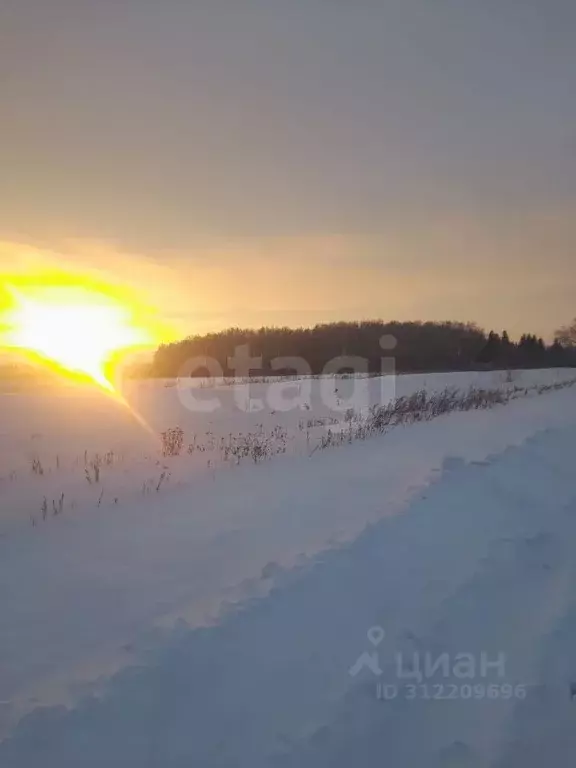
pixel 208 608
pixel 69 448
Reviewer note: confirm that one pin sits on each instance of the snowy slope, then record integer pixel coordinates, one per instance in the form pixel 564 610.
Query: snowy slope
pixel 215 624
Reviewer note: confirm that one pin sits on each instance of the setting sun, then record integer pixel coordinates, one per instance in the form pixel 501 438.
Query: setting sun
pixel 72 328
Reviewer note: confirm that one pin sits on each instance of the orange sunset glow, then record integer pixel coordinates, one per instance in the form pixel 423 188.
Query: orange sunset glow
pixel 75 329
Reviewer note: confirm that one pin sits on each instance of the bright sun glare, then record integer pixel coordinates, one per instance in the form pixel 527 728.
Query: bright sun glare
pixel 75 329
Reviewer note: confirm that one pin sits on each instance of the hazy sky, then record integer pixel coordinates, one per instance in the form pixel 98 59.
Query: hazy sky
pixel 293 161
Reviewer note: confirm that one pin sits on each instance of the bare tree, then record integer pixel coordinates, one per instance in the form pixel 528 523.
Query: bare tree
pixel 567 335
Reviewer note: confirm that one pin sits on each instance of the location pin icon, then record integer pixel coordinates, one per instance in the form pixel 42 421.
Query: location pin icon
pixel 376 635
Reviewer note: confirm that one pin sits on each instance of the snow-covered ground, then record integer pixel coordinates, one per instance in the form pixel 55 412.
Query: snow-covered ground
pixel 50 440
pixel 215 621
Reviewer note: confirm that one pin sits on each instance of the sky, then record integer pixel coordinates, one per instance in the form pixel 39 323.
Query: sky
pixel 265 162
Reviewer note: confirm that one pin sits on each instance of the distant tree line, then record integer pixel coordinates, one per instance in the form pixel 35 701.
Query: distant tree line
pixel 414 346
